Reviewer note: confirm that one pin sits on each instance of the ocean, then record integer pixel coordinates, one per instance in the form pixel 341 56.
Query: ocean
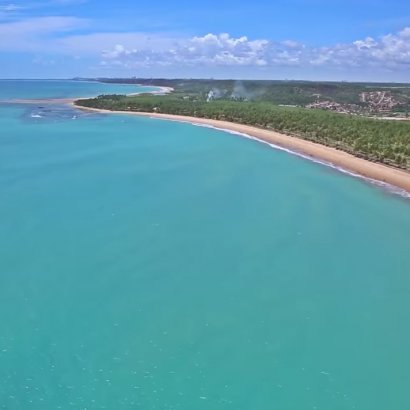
pixel 150 264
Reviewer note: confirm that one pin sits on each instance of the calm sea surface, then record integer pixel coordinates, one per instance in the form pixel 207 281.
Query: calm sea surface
pixel 147 264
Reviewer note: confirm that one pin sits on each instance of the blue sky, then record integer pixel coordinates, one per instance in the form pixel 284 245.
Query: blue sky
pixel 330 40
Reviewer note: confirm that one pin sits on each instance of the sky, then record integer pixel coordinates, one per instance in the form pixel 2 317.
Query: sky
pixel 361 40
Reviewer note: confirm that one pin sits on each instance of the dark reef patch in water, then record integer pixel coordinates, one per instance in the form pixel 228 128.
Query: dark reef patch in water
pixel 55 113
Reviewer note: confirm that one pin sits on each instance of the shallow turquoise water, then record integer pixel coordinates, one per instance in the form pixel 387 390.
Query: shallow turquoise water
pixel 157 265
pixel 27 89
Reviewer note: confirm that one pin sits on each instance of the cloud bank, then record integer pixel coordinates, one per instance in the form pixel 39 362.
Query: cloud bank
pixel 71 37
pixel 391 51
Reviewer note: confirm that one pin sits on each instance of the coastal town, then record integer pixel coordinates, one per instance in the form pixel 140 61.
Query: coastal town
pixel 374 103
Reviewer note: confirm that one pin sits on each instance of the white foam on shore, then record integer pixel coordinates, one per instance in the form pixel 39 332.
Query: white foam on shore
pixel 391 188
pixel 384 185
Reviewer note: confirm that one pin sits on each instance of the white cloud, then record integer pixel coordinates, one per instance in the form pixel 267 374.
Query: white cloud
pixel 389 51
pixel 60 35
pixel 210 49
pixel 14 7
pixel 10 8
pixel 105 43
pixel 37 34
pixel 221 49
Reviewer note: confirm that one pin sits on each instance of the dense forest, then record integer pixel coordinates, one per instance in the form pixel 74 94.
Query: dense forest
pixel 299 93
pixel 375 140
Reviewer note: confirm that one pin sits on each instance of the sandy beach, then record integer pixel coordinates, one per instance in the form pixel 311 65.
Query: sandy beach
pixel 161 90
pixel 379 172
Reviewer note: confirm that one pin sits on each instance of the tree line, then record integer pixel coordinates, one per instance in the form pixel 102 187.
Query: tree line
pixel 375 140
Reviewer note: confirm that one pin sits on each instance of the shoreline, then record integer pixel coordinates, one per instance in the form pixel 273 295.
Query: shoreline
pixel 160 91
pixel 344 161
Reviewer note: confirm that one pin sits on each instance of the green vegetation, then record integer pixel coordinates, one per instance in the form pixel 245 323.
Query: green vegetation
pixel 299 93
pixel 375 140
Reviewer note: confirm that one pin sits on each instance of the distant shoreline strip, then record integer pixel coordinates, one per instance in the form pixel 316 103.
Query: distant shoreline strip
pixel 158 91
pixel 395 180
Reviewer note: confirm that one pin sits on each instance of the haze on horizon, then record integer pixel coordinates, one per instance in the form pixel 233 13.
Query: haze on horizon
pixel 313 40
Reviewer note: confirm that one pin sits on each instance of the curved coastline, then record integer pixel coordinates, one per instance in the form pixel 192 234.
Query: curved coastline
pixel 158 91
pixel 375 172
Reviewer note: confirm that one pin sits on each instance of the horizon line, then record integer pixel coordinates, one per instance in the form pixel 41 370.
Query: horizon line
pixel 76 78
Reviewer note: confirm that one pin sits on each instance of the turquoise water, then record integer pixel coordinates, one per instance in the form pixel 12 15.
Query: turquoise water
pixel 157 265
pixel 27 89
